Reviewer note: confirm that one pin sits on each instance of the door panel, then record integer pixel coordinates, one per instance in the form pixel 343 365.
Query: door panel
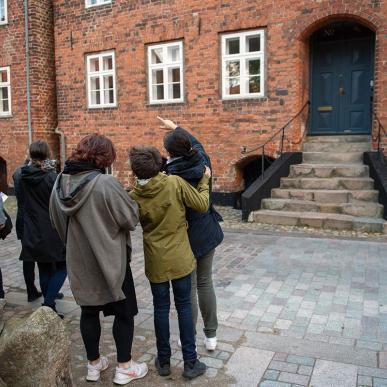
pixel 341 91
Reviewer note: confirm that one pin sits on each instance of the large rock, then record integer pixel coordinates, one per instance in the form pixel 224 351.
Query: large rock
pixel 35 351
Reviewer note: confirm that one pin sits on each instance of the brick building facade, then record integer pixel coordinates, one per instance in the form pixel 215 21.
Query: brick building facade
pixel 232 71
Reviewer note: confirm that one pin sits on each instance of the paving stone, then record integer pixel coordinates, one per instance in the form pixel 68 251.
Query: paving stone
pixel 212 362
pixel 293 378
pixel 380 382
pixel 247 365
pixel 302 360
pixel 328 373
pixel 270 383
pixel 383 359
pixel 283 366
pixel 305 370
pixel 364 380
pixel 271 375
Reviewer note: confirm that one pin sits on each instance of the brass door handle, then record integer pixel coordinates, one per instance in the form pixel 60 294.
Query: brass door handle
pixel 341 91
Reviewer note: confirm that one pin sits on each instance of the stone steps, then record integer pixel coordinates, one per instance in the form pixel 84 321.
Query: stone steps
pixel 319 220
pixel 347 183
pixel 327 196
pixel 332 157
pixel 325 171
pixel 331 189
pixel 337 147
pixel 365 209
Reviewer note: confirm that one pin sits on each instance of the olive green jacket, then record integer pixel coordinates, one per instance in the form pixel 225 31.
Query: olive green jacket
pixel 162 203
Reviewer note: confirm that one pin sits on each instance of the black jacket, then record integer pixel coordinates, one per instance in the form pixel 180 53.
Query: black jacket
pixel 17 183
pixel 204 231
pixel 40 241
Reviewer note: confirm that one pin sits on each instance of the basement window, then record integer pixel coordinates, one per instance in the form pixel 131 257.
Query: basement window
pixel 101 80
pixel 94 3
pixel 243 64
pixel 165 73
pixel 3 12
pixel 5 91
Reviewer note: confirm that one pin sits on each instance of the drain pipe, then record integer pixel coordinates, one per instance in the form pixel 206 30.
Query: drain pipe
pixel 62 146
pixel 26 42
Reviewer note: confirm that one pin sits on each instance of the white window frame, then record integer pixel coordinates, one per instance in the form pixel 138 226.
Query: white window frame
pixel 101 73
pixel 5 21
pixel 8 85
pixel 99 2
pixel 165 66
pixel 242 56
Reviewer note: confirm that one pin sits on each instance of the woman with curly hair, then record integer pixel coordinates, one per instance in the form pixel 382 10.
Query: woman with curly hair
pixel 94 216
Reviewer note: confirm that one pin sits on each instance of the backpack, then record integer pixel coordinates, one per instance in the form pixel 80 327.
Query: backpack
pixel 6 230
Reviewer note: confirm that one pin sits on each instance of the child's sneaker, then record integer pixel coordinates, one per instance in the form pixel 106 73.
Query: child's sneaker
pixel 126 375
pixel 210 343
pixel 94 371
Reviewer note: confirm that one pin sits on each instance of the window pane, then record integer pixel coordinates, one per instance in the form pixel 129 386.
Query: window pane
pixel 4 93
pixel 2 11
pixel 95 84
pixel 174 91
pixel 5 106
pixel 254 66
pixel 109 96
pixel 158 92
pixel 95 97
pixel 232 46
pixel 3 76
pixel 234 86
pixel 157 76
pixel 108 82
pixel 233 68
pixel 174 75
pixel 174 54
pixel 253 43
pixel 94 64
pixel 108 63
pixel 157 55
pixel 254 85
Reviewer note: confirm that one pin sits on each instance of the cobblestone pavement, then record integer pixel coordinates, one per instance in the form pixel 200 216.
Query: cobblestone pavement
pixel 294 310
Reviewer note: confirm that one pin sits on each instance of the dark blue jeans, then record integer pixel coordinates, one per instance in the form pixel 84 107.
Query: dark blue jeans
pixel 2 295
pixel 51 277
pixel 161 301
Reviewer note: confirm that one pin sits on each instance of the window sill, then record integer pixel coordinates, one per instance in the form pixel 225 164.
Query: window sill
pixel 5 23
pixel 98 6
pixel 244 99
pixel 160 104
pixel 5 116
pixel 99 108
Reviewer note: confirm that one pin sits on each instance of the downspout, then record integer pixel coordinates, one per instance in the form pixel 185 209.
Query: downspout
pixel 62 146
pixel 26 42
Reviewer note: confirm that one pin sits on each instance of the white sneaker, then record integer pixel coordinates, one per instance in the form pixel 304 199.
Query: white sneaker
pixel 210 343
pixel 94 371
pixel 126 375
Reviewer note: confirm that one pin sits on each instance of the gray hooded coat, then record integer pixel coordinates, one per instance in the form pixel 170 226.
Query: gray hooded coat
pixel 100 216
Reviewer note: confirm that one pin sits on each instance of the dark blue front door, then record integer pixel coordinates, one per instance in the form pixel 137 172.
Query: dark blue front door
pixel 342 76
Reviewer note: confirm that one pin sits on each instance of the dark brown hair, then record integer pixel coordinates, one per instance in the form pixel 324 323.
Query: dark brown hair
pixel 145 161
pixel 96 149
pixel 39 150
pixel 178 144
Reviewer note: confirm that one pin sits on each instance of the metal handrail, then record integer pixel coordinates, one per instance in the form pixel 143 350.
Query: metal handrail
pixel 244 150
pixel 380 130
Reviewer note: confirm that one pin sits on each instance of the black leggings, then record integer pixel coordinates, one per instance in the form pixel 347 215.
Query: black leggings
pixel 123 328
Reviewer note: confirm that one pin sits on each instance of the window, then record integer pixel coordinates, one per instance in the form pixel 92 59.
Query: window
pixel 101 80
pixel 5 92
pixel 93 3
pixel 243 63
pixel 165 75
pixel 3 12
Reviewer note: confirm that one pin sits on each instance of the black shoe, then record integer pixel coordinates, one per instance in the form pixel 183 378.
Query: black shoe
pixel 54 309
pixel 59 296
pixel 193 369
pixel 34 297
pixel 163 370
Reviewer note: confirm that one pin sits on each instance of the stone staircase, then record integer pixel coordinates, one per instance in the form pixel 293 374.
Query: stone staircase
pixel 331 189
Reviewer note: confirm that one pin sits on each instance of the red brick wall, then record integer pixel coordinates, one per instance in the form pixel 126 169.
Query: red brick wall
pixel 127 26
pixel 14 130
pixel 224 126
